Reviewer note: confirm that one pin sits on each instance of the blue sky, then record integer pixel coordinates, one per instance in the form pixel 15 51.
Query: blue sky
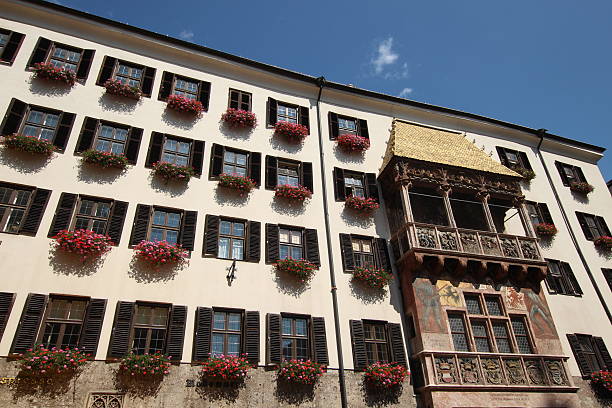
pixel 542 64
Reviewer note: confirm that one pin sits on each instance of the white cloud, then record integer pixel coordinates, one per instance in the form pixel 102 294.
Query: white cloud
pixel 405 92
pixel 385 55
pixel 186 35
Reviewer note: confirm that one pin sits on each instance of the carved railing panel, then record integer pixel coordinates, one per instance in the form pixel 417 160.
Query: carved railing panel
pixel 426 237
pixel 490 245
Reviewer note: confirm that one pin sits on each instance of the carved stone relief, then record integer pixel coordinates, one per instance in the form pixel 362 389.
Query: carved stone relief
pixel 535 372
pixel 468 367
pixel 490 245
pixel 105 400
pixel 426 237
pixel 556 372
pixel 514 369
pixel 448 241
pixel 492 371
pixel 446 370
pixel 510 247
pixel 470 242
pixel 529 250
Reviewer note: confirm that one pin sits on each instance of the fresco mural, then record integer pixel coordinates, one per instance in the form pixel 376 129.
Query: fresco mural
pixel 428 305
pixel 541 320
pixel 514 300
pixel 451 295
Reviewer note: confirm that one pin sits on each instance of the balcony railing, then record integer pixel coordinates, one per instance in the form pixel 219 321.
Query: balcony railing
pixel 493 370
pixel 465 241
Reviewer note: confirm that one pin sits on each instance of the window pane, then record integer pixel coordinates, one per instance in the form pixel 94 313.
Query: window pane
pixel 238 229
pixel 157 235
pixel 234 321
pixel 14 220
pixel 473 304
pixel 99 227
pixel 81 223
pixel 493 306
pixel 225 227
pixel 35 117
pixel 296 253
pixel 301 346
pixel 51 334
pixel 287 326
pixel 218 344
pixel 71 336
pixel 58 309
pixel 237 249
pixel 283 252
pixel 283 235
pixel 30 131
pixel 219 321
pixel 224 247
pixel 158 337
pixel 233 344
pixel 229 157
pixel 300 327
pixel 480 336
pixel 76 310
pixel 159 316
pixel 287 349
pixel 172 237
pixel 140 340
pixel 51 120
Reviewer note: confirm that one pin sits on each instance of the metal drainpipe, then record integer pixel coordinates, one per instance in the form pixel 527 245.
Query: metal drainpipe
pixel 330 258
pixel 569 227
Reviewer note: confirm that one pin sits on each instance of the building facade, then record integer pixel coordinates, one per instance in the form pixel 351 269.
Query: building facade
pixel 483 310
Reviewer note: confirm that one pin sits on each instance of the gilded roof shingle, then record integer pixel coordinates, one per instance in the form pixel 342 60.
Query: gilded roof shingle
pixel 428 144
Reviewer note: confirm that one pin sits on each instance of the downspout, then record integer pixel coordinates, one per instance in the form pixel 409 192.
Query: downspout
pixel 330 258
pixel 541 133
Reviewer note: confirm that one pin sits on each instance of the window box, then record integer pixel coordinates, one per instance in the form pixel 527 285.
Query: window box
pixel 300 372
pixel 29 144
pixel 294 132
pixel 545 230
pixel 48 71
pixel 145 365
pixel 372 276
pixel 171 171
pixel 239 119
pixel 601 381
pixel 353 143
pixel 189 88
pixel 385 375
pixel 292 193
pixel 105 159
pixel 362 205
pixel 115 87
pixel 230 369
pixel 160 253
pixel 45 362
pixel 184 104
pixel 527 174
pixel 603 242
pixel 300 268
pixel 82 242
pixel 581 187
pixel 235 182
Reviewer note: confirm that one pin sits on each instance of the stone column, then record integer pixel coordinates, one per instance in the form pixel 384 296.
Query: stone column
pixel 484 199
pixel 519 204
pixel 404 188
pixel 446 191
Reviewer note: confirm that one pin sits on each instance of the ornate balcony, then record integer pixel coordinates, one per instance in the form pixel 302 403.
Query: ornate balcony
pixel 494 371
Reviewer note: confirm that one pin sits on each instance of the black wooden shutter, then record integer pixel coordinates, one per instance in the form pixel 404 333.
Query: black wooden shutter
pixel 581 360
pixel 360 360
pixel 251 336
pixel 176 332
pixel 255 168
pixel 147 81
pixel 202 335
pixel 272 242
pixel 92 326
pixel 204 96
pixel 6 304
pixel 271 172
pixel 339 187
pixel 569 274
pixel 312 246
pixel 117 219
pixel 63 213
pixel 12 46
pixel 188 229
pixel 273 334
pixel 63 130
pixel 363 128
pixel 253 251
pixel 141 224
pixel 29 323
pixel 562 173
pixel 303 118
pixel 380 245
pixel 524 160
pixel 334 129
pixel 580 174
pixel 547 218
pixel 585 227
pixel 211 238
pixel 88 132
pixel 197 157
pixel 602 226
pixel 396 342
pixel 13 117
pixel 216 160
pixel 120 337
pixel 155 149
pixel 133 145
pixel 40 51
pixel 106 72
pixel 319 340
pixel 272 108
pixel 307 177
pixel 346 248
pixel 35 212
pixel 603 351
pixel 234 99
pixel 501 152
pixel 85 64
pixel 166 86
pixel 370 179
pixel 552 284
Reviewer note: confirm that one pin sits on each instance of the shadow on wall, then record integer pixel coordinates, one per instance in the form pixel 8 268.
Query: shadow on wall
pixel 294 394
pixel 286 207
pixel 64 263
pixel 137 387
pixel 235 134
pixel 91 173
pixel 354 158
pixel 29 385
pixel 116 103
pixel 22 162
pixel 174 188
pixel 288 284
pixel 366 294
pixel 48 88
pixel 354 219
pixel 376 397
pixel 221 392
pixel 143 272
pixel 228 197
pixel 178 119
pixel 278 143
pixel 581 198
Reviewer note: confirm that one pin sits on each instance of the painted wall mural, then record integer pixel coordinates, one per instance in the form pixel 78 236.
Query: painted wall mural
pixel 514 300
pixel 539 315
pixel 427 300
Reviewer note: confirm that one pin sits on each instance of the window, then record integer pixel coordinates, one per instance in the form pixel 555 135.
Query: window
pixel 10 42
pixel 376 342
pixel 570 174
pixel 362 251
pixel 287 113
pixel 231 239
pixel 468 212
pixel 4 38
pixel 560 279
pixel 40 124
pixel 502 337
pixel 92 215
pixel 235 163
pixel 290 244
pixel 538 213
pixel 149 329
pixel 173 84
pixel 513 158
pixel 64 57
pixel 176 151
pixel 165 226
pixel 186 88
pixel 128 74
pixel 590 352
pixel 608 275
pixel 458 331
pixel 473 304
pixel 13 206
pixel 342 125
pixel 111 138
pixel 354 185
pixel 288 174
pixel 63 322
pixel 240 100
pixel 481 336
pixel 428 206
pixel 493 306
pixel 592 226
pixel 519 328
pixel 294 338
pixel 347 125
pixel 226 333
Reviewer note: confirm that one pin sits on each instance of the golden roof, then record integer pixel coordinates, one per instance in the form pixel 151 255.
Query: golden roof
pixel 424 143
